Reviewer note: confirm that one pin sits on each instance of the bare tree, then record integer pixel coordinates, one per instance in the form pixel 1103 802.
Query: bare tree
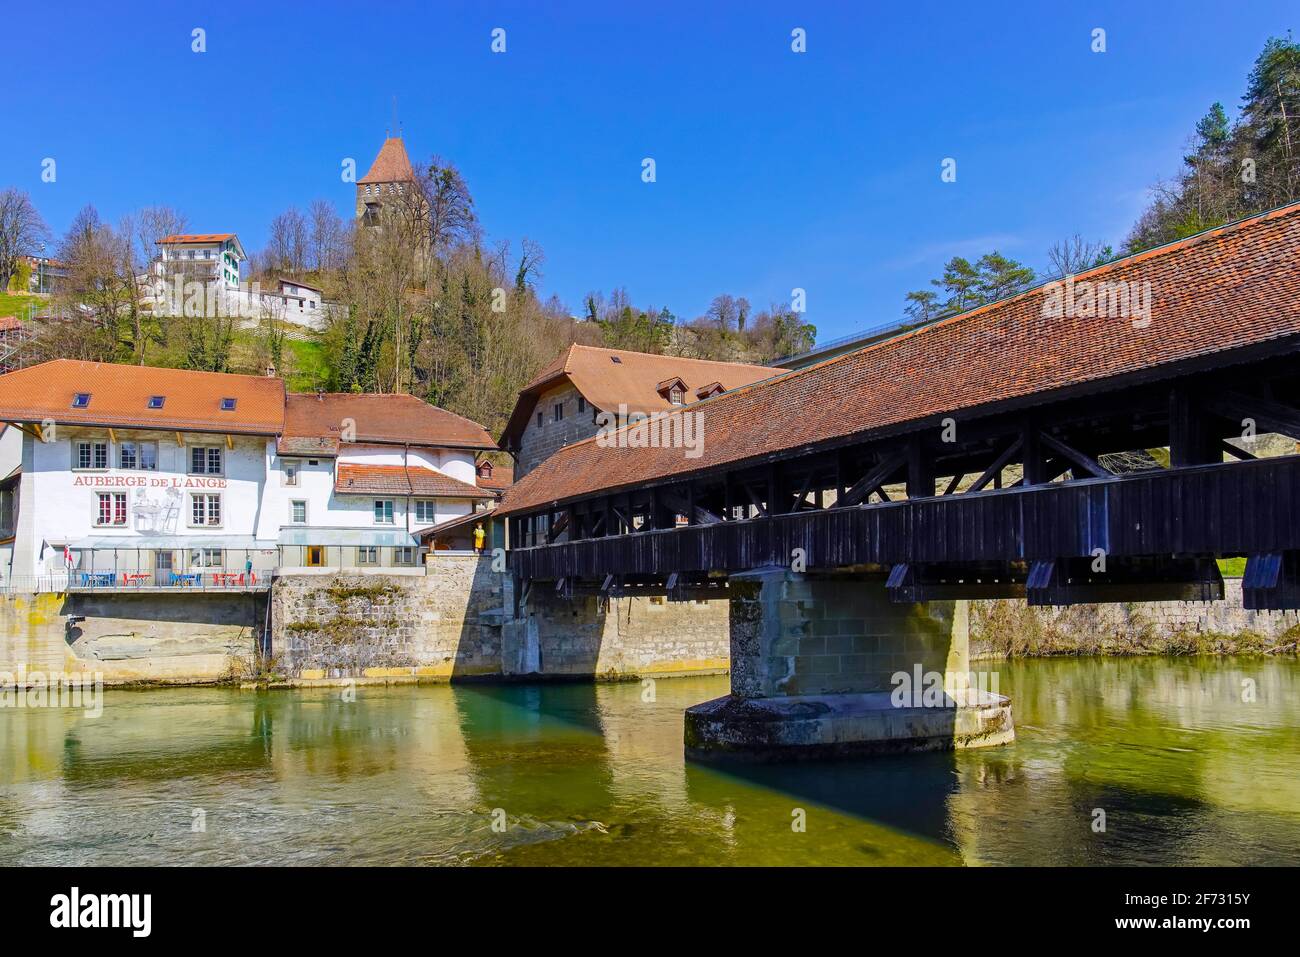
pixel 286 249
pixel 1075 254
pixel 21 231
pixel 530 265
pixel 326 236
pixel 446 207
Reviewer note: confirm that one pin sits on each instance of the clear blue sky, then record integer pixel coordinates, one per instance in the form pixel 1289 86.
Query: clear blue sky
pixel 775 169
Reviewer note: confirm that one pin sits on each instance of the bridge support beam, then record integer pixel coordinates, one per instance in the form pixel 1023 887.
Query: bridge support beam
pixel 827 666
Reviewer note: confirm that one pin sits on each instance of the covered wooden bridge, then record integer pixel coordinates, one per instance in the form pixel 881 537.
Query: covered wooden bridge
pixel 1092 440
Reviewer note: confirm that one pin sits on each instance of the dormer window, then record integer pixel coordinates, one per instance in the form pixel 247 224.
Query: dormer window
pixel 616 360
pixel 674 390
pixel 156 401
pixel 227 405
pixel 81 400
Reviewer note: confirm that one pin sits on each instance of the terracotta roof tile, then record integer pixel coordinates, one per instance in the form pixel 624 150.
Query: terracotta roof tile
pixel 119 397
pixel 1218 291
pixel 633 380
pixel 315 422
pixel 392 165
pixel 403 480
pixel 184 238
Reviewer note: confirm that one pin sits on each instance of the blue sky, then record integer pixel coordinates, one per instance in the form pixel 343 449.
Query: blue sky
pixel 775 170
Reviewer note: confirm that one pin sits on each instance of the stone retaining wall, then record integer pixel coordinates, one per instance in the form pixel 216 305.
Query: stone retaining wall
pixel 1011 628
pixel 130 638
pixel 443 624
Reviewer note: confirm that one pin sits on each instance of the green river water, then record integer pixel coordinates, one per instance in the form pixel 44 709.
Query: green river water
pixel 1186 771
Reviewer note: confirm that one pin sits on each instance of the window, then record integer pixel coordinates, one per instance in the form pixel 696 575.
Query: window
pixel 112 508
pixel 81 400
pixel 205 459
pixel 383 511
pixel 616 360
pixel 298 511
pixel 404 555
pixel 138 455
pixel 91 455
pixel 205 510
pixel 540 420
pixel 425 514
pixel 227 405
pixel 676 395
pixel 582 405
pixel 156 401
pixel 289 470
pixel 559 411
pixel 367 555
pixel 205 558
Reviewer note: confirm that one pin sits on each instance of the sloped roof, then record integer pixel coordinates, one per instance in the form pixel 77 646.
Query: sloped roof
pixel 314 423
pixel 119 397
pixel 1221 290
pixel 181 239
pixel 608 378
pixel 403 480
pixel 392 165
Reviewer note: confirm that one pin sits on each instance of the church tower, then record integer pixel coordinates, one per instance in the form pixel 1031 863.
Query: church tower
pixel 390 177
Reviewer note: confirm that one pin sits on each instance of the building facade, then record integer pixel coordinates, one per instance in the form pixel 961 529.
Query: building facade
pixel 132 477
pixel 565 402
pixel 200 257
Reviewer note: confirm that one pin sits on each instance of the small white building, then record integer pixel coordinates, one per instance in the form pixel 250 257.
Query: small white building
pixel 136 477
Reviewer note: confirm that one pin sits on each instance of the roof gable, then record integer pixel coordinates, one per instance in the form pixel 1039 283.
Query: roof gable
pixel 641 381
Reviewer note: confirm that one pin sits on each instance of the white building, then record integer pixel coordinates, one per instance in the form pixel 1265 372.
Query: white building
pixel 135 477
pixel 200 257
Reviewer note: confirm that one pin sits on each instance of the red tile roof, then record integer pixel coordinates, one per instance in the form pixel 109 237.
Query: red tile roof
pixel 119 397
pixel 314 423
pixel 392 165
pixel 185 238
pixel 633 380
pixel 1221 290
pixel 403 480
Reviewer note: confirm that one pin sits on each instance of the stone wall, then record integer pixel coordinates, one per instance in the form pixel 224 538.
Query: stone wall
pixel 539 442
pixel 440 625
pixel 1012 628
pixel 620 637
pixel 148 637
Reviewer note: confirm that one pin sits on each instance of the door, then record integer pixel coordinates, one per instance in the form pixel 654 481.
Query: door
pixel 162 567
pixel 315 556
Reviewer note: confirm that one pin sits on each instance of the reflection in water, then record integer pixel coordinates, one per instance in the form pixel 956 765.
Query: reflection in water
pixel 1192 760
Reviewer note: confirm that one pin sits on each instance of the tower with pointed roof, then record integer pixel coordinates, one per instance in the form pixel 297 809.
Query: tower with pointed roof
pixel 389 179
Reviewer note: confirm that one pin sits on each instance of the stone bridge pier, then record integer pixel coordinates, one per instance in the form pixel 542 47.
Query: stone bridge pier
pixel 825 665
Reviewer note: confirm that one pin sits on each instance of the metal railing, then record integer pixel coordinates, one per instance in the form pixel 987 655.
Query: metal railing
pixel 189 580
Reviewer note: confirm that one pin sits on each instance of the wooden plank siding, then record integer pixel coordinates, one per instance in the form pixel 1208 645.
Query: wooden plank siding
pixel 1230 508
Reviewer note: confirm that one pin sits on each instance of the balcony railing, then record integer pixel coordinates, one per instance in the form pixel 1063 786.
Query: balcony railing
pixel 190 580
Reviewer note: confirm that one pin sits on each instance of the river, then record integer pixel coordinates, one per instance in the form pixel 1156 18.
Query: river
pixel 1191 760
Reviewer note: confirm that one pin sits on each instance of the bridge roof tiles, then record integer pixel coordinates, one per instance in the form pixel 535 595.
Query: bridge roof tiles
pixel 1218 291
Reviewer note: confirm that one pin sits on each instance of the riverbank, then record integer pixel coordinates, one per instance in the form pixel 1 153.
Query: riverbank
pixel 1011 629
